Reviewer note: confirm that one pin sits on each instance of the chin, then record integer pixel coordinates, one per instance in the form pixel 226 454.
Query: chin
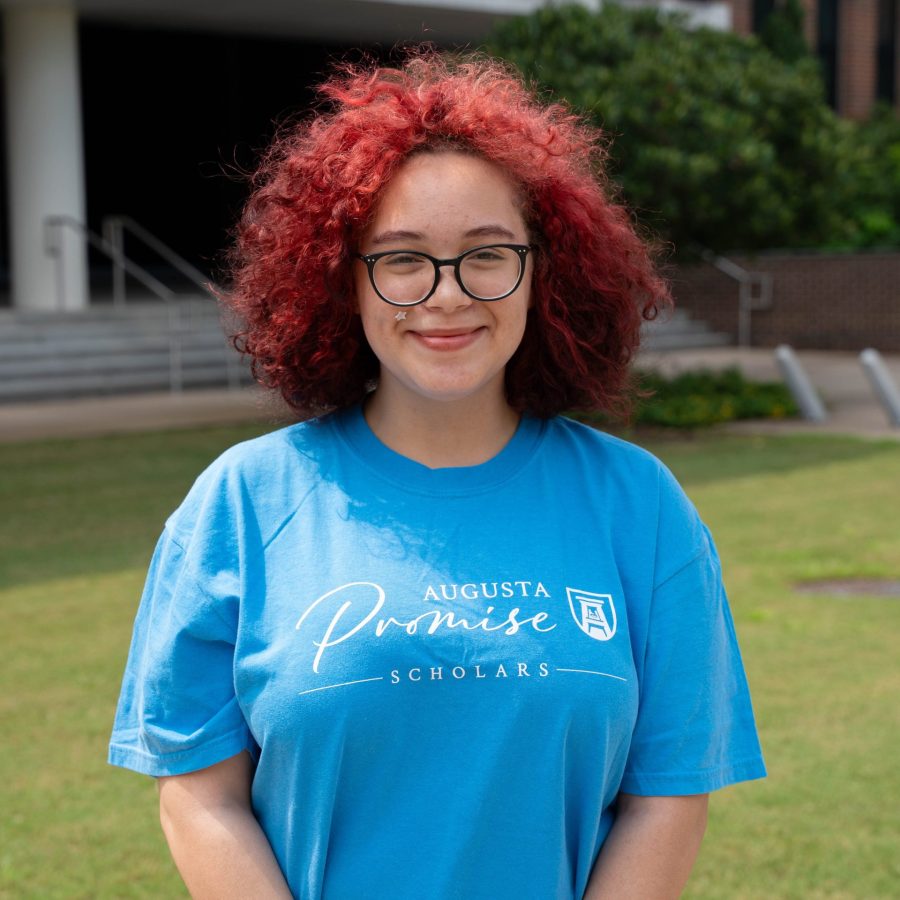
pixel 450 396
pixel 445 392
pixel 453 384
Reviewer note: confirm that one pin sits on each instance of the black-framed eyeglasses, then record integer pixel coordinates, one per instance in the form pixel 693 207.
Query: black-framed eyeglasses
pixel 409 277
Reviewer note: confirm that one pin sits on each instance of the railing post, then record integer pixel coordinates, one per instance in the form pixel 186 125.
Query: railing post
pixel 115 237
pixel 176 379
pixel 882 383
pixel 54 247
pixel 746 280
pixel 811 406
pixel 744 314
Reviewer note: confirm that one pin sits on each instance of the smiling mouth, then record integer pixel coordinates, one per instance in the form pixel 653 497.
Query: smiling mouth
pixel 443 340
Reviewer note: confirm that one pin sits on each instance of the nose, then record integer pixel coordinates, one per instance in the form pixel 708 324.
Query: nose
pixel 448 295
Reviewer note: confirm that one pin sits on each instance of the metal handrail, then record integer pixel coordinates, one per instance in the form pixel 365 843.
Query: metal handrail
pixel 114 228
pixel 53 245
pixel 747 280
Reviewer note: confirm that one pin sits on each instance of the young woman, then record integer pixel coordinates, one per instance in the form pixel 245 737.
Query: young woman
pixel 437 641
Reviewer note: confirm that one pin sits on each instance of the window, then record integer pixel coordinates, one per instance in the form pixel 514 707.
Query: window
pixel 886 84
pixel 762 9
pixel 828 43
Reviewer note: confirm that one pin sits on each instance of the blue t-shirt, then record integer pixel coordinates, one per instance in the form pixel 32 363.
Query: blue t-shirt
pixel 445 675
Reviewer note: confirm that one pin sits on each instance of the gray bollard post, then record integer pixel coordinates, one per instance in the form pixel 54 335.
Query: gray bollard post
pixel 882 383
pixel 811 407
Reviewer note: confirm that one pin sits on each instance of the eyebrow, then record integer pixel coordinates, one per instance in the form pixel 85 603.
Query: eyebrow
pixel 391 237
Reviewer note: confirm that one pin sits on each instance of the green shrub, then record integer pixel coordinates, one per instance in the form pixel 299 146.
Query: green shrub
pixel 875 171
pixel 782 32
pixel 702 398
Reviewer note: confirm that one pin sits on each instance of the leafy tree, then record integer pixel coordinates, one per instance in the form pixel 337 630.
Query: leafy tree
pixel 782 32
pixel 876 173
pixel 715 141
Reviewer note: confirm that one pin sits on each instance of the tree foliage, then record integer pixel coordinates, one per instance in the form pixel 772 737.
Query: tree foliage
pixel 875 221
pixel 714 140
pixel 782 32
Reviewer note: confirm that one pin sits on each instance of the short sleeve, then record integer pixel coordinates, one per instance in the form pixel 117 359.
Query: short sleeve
pixel 695 730
pixel 177 710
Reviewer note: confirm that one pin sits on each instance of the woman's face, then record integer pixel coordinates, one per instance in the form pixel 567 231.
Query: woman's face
pixel 451 347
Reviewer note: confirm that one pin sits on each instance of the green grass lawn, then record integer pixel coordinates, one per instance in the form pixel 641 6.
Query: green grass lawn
pixel 80 521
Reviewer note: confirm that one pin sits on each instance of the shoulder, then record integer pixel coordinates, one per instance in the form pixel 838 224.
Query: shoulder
pixel 265 475
pixel 631 483
pixel 269 457
pixel 613 456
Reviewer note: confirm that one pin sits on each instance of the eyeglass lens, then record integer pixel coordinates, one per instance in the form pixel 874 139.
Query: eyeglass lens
pixel 487 273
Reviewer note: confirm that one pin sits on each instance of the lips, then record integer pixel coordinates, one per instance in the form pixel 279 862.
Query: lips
pixel 444 339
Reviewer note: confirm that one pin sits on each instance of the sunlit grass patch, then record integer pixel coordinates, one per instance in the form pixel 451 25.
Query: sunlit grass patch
pixel 81 519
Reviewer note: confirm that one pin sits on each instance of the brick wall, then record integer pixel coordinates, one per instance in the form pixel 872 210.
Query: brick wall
pixel 857 53
pixel 825 302
pixel 856 76
pixel 742 16
pixel 811 22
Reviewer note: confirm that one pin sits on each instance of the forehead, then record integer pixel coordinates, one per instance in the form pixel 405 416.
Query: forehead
pixel 448 190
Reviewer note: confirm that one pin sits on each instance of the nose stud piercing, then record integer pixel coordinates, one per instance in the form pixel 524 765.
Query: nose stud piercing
pixel 400 315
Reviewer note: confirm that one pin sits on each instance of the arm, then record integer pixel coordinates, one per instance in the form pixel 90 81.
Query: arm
pixel 650 850
pixel 216 841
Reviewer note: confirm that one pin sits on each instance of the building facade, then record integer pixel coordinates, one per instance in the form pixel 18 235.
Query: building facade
pixel 856 41
pixel 153 108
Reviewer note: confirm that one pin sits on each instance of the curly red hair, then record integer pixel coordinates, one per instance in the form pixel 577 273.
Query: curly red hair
pixel 316 190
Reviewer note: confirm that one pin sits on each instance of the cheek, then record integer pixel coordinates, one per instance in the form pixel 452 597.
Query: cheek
pixel 528 283
pixel 369 307
pixel 377 326
pixel 360 283
pixel 523 311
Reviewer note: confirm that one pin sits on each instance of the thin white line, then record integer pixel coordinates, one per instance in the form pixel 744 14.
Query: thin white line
pixel 329 686
pixel 589 672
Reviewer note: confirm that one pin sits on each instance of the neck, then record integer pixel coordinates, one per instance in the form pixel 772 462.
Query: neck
pixel 442 434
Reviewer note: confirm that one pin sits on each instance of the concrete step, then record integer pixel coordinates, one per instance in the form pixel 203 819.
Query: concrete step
pixel 114 350
pixel 77 345
pixel 147 319
pixel 686 341
pixel 149 358
pixel 88 384
pixel 107 311
pixel 678 331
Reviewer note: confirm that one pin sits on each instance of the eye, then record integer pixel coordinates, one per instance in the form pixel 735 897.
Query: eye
pixel 403 260
pixel 488 257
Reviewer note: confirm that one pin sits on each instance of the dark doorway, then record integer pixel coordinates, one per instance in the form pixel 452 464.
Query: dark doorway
pixel 171 119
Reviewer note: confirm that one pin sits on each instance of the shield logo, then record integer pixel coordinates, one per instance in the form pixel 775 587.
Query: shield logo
pixel 594 614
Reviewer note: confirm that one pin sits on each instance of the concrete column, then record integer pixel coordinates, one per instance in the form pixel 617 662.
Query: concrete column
pixel 45 153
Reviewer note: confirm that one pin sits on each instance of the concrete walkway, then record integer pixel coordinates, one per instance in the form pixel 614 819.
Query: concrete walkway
pixel 99 416
pixel 839 378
